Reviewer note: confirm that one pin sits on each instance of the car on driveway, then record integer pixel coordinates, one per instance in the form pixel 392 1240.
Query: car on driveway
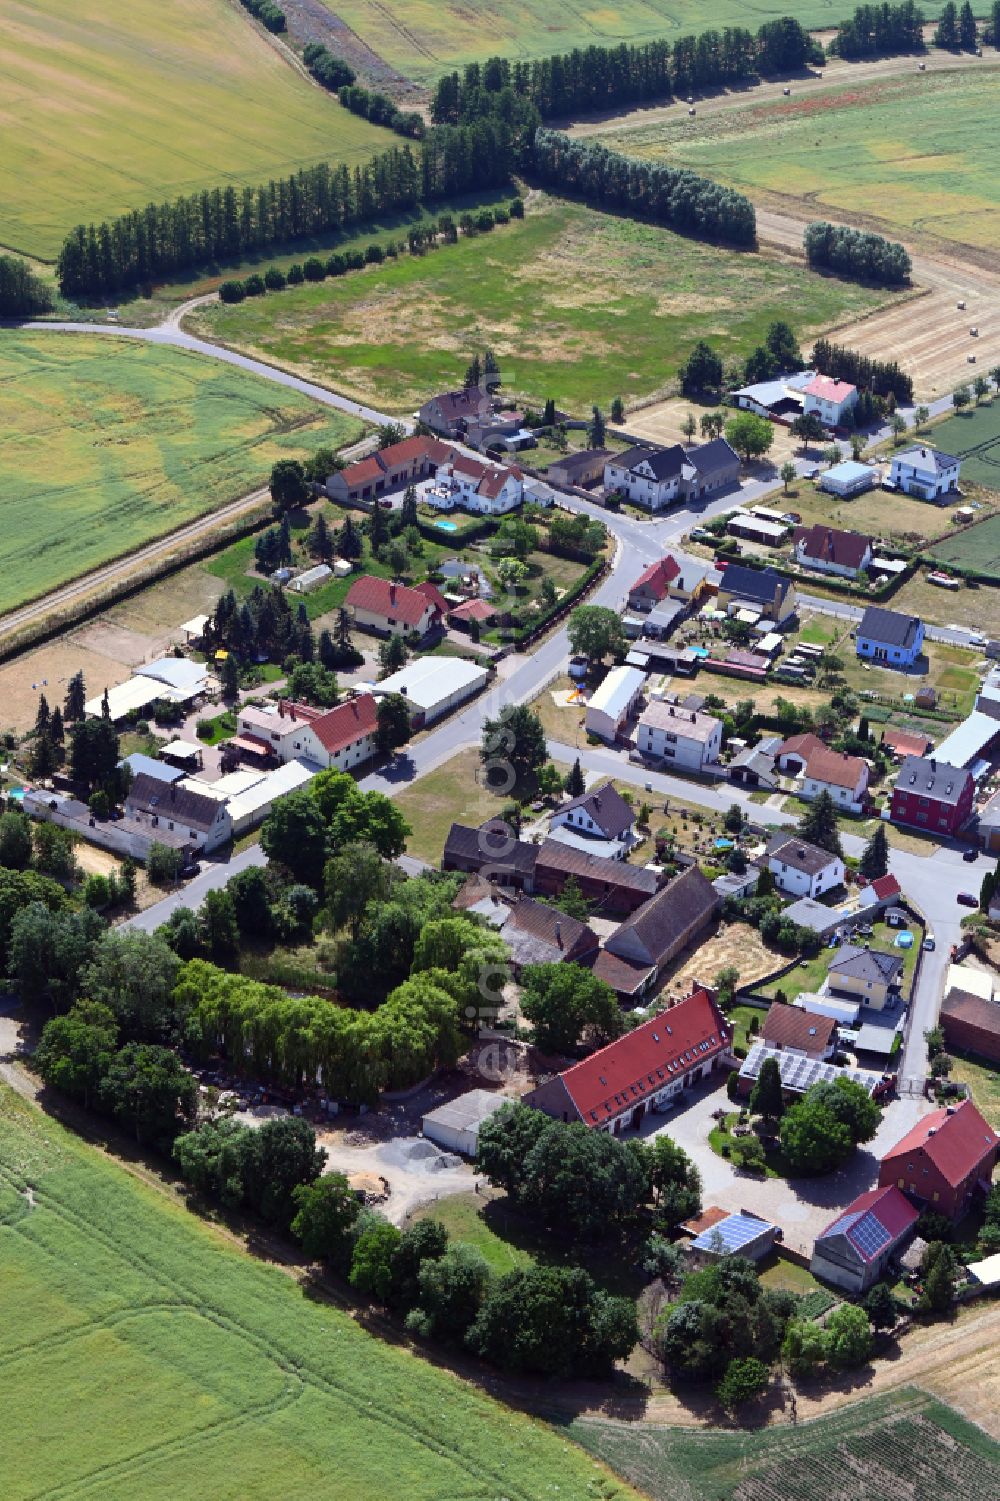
pixel 969 855
pixel 929 944
pixel 966 899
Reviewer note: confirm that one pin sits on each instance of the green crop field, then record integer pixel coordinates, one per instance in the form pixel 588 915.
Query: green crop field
pixel 974 435
pixel 578 305
pixel 917 152
pixel 881 1449
pixel 146 1358
pixel 107 443
pixel 424 40
pixel 105 106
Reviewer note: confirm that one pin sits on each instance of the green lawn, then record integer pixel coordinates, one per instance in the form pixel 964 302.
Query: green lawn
pixel 578 305
pixel 149 1358
pixel 878 1449
pixel 108 443
pixel 984 1081
pixel 810 973
pixel 916 152
pixel 509 1241
pixel 113 105
pixel 424 40
pixel 450 794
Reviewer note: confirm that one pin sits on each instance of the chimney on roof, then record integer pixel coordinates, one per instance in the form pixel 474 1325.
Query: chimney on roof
pixel 559 933
pixel 931 1130
pixel 933 764
pixel 281 708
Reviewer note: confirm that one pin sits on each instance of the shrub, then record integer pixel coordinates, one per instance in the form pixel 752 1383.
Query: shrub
pixel 374 254
pixel 274 279
pixel 295 274
pixel 254 286
pixel 314 269
pixel 336 265
pixel 232 291
pixel 517 208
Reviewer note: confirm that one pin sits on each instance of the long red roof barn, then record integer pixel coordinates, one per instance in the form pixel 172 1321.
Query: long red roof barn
pixel 616 1085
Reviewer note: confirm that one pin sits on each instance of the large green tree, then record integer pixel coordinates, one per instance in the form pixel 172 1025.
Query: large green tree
pixel 818 824
pixel 813 1140
pixel 294 834
pixel 147 1088
pixel 875 856
pixel 750 435
pixel 75 1051
pixel 288 485
pixel 326 1211
pixel 562 1001
pixel 134 974
pixel 513 748
pixel 596 632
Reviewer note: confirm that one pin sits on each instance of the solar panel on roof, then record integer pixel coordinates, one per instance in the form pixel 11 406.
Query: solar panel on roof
pixel 869 1236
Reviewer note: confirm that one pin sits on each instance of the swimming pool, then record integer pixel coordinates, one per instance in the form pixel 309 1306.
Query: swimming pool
pixel 447 526
pixel 17 793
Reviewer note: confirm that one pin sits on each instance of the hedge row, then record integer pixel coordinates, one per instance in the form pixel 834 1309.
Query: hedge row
pixel 419 239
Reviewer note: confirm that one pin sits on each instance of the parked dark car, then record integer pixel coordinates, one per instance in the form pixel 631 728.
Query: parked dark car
pixel 969 855
pixel 966 899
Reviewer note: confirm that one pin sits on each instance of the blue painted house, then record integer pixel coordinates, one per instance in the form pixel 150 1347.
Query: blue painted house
pixel 887 637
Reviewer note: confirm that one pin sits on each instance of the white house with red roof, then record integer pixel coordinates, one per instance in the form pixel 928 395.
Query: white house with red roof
pixel 341 738
pixel 485 489
pixel 830 399
pixel 394 609
pixel 944 1160
pixel 844 777
pixel 613 1089
pixel 855 1249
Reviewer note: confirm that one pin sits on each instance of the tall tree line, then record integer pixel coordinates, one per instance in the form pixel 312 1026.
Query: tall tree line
pixel 880 31
pixel 881 377
pixel 857 253
pixel 644 190
pixel 224 223
pixel 593 78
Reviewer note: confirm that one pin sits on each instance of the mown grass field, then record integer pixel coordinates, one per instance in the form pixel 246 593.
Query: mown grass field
pixel 578 305
pixel 106 444
pixel 145 1357
pixel 104 107
pixel 879 1449
pixel 917 152
pixel 424 40
pixel 974 435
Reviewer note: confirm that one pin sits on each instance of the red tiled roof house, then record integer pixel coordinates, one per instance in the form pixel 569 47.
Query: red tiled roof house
pixel 653 583
pixel 391 468
pixel 342 737
pixel 614 1088
pixel 944 1159
pixel 393 609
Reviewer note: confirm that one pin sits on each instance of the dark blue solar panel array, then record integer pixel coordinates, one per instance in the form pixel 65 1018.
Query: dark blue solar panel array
pixel 869 1236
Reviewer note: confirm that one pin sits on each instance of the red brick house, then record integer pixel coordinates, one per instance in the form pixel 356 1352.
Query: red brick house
pixel 614 1088
pixel 971 1024
pixel 930 794
pixel 944 1159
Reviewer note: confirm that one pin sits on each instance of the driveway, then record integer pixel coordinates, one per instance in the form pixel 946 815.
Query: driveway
pixel 801 1206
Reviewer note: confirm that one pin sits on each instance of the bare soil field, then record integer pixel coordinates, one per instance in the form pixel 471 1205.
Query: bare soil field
pixel 47 670
pixel 734 944
pixel 118 643
pixel 930 337
pixel 166 605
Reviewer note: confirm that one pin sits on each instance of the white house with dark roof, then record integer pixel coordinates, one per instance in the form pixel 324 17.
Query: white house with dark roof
pixel 802 869
pixel 657 477
pixel 924 472
pixel 599 816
